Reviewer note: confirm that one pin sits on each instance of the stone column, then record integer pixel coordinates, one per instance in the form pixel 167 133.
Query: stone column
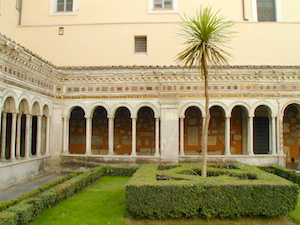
pixel 28 136
pixel 66 135
pixel 181 137
pixel 18 137
pixel 38 135
pixel 4 124
pixel 156 137
pixel 13 138
pixel 169 130
pixel 250 135
pixel 133 150
pixel 110 136
pixel 227 136
pixel 48 124
pixel 88 137
pixel 273 136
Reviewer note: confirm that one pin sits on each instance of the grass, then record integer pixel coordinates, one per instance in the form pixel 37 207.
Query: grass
pixel 103 203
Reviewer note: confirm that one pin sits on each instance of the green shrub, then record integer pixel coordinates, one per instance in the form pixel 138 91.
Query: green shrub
pixel 233 193
pixel 5 205
pixel 120 171
pixel 8 218
pixel 24 212
pixel 25 208
pixel 283 172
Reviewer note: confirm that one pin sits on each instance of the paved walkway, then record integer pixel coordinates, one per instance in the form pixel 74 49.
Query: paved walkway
pixel 18 191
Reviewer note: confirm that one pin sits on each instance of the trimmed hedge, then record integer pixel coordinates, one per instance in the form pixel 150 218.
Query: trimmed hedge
pixel 228 195
pixel 5 205
pixel 283 172
pixel 30 205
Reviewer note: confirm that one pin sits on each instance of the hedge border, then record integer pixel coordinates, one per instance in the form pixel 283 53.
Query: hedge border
pixel 5 205
pixel 286 173
pixel 25 208
pixel 225 196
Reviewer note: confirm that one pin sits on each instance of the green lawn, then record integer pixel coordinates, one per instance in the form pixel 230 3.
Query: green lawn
pixel 103 203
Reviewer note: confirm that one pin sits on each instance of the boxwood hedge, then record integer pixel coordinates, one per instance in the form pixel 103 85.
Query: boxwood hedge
pixel 283 172
pixel 228 192
pixel 24 209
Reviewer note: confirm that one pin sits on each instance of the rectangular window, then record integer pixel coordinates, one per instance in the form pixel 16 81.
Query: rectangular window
pixel 64 5
pixel 140 44
pixel 266 10
pixel 163 4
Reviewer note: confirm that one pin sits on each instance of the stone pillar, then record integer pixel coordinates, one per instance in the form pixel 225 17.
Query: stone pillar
pixel 280 146
pixel 28 136
pixel 250 135
pixel 4 124
pixel 227 136
pixel 38 136
pixel 13 138
pixel 133 149
pixel 48 124
pixel 66 135
pixel 273 136
pixel 88 137
pixel 156 137
pixel 181 137
pixel 18 137
pixel 110 136
pixel 169 130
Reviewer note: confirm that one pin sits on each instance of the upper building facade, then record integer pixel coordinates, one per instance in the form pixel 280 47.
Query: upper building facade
pixel 98 32
pixel 96 82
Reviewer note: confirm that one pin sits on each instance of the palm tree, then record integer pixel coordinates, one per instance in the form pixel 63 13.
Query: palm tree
pixel 205 35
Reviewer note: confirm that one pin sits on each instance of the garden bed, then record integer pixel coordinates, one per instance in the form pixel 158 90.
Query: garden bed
pixel 230 191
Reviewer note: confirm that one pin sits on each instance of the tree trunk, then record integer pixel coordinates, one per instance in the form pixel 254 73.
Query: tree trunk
pixel 206 121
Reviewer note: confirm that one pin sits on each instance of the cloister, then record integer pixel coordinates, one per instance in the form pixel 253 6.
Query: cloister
pixel 133 129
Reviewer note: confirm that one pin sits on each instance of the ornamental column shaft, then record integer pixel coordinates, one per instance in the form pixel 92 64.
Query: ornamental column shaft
pixel 13 137
pixel 227 136
pixel 4 124
pixel 88 150
pixel 38 135
pixel 28 133
pixel 110 136
pixel 273 136
pixel 181 137
pixel 18 141
pixel 250 136
pixel 66 135
pixel 156 137
pixel 133 150
pixel 48 122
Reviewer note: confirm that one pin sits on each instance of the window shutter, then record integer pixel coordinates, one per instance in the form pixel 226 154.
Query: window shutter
pixel 140 44
pixel 266 10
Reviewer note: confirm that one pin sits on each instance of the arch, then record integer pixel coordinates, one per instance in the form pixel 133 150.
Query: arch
pixel 238 130
pixel 262 129
pixel 146 104
pixel 24 107
pixel 291 132
pixel 122 131
pixel 272 109
pixel 99 141
pixel 193 121
pixel 222 106
pixel 97 105
pixel 36 109
pixel 77 131
pixel 145 134
pixel 183 108
pixel 216 130
pixel 240 104
pixel 118 106
pixel 69 108
pixel 9 105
